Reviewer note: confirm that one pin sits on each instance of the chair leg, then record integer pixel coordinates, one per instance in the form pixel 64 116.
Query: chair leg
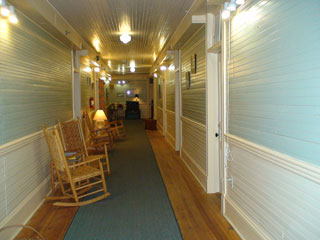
pixel 104 185
pixel 53 186
pixel 107 159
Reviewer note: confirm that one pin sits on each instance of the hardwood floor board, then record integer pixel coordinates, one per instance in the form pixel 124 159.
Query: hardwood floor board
pixel 198 214
pixel 51 221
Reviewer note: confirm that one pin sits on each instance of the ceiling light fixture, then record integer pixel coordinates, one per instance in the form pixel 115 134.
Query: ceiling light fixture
pixel 13 17
pixel 4 9
pixel 87 69
pixel 231 6
pixel 163 68
pixel 155 75
pixel 240 2
pixel 97 69
pixel 125 38
pixel 132 69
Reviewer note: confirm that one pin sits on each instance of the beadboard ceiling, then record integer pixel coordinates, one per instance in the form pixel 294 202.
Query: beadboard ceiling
pixel 101 22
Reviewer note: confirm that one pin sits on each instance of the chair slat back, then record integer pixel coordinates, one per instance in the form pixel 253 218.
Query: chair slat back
pixel 56 148
pixel 72 136
pixel 88 121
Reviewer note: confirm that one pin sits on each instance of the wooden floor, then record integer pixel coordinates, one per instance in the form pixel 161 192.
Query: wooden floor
pixel 198 214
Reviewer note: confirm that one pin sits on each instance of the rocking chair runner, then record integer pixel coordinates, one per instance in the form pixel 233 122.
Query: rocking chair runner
pixel 105 133
pixel 81 177
pixel 73 141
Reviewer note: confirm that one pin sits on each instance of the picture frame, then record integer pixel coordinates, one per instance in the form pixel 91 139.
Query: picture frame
pixel 188 80
pixel 194 63
pixel 120 95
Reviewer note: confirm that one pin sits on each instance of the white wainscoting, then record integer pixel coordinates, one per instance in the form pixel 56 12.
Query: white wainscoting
pixel 274 196
pixel 24 180
pixel 160 120
pixel 171 128
pixel 193 151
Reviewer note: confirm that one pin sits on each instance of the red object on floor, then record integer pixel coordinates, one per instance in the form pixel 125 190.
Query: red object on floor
pixel 150 124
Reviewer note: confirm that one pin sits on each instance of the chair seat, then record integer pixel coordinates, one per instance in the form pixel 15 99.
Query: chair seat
pixel 81 173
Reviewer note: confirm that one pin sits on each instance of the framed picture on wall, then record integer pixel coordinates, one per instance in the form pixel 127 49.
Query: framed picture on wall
pixel 188 80
pixel 194 63
pixel 120 95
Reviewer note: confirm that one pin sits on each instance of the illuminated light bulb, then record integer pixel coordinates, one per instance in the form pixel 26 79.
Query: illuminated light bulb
pixel 225 14
pixel 13 17
pixel 132 69
pixel 240 2
pixel 155 75
pixel 128 92
pixel 163 68
pixel 231 7
pixel 123 82
pixel 109 78
pixel 97 69
pixel 125 38
pixel 171 68
pixel 119 82
pixel 5 11
pixel 87 69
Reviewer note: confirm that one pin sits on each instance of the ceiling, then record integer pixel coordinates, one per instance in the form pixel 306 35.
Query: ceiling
pixel 101 22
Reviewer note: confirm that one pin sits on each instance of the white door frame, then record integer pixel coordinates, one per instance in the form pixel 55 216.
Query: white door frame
pixel 76 84
pixel 177 99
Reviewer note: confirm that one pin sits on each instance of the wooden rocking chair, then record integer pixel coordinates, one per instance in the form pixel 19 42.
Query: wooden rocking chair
pixel 98 136
pixel 80 177
pixel 73 141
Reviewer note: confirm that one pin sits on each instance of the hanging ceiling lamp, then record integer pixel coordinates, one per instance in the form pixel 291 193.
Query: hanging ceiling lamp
pixel 13 17
pixel 125 38
pixel 5 12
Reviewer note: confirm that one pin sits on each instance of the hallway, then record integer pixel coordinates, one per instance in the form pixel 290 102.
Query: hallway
pixel 138 207
pixel 232 88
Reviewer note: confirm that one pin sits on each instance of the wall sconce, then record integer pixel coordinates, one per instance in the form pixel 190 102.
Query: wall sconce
pixel 163 68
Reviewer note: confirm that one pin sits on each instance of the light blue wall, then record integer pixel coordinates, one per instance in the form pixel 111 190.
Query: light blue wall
pixel 35 80
pixel 274 76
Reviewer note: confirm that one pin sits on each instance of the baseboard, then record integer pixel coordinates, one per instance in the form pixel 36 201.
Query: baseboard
pixel 194 168
pixel 25 210
pixel 246 228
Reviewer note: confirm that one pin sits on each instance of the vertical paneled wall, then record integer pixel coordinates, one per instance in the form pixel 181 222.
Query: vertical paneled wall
pixel 275 77
pixel 194 97
pixel 35 79
pixel 194 105
pixel 35 89
pixel 273 119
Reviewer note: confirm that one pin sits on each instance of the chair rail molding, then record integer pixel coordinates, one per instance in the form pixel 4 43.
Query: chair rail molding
pixel 304 169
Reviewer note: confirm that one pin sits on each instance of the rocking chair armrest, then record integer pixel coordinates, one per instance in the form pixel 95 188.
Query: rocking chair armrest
pixel 98 144
pixel 100 137
pixel 100 129
pixel 85 162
